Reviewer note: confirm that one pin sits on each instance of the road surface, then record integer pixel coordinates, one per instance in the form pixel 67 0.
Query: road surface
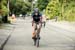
pixel 52 38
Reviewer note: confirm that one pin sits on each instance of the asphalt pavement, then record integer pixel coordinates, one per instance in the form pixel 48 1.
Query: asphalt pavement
pixel 52 37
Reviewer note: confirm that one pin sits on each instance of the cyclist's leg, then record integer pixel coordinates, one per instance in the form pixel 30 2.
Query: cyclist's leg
pixel 39 28
pixel 34 33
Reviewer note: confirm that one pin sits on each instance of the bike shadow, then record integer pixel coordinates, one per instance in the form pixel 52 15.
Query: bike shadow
pixel 44 46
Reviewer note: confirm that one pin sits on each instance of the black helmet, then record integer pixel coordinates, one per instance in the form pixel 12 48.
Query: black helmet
pixel 36 10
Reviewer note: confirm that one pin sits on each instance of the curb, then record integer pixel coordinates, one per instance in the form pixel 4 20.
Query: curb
pixel 6 38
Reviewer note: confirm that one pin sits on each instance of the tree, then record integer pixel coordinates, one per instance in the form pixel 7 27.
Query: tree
pixel 3 10
pixel 68 9
pixel 42 4
pixel 52 9
pixel 65 9
pixel 3 7
pixel 20 7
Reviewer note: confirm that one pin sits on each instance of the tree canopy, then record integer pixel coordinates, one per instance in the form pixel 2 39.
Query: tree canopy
pixel 42 4
pixel 64 9
pixel 20 6
pixel 3 7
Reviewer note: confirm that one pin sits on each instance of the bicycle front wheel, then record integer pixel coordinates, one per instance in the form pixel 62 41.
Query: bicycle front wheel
pixel 37 42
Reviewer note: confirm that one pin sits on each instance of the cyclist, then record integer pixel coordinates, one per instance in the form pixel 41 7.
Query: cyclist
pixel 36 20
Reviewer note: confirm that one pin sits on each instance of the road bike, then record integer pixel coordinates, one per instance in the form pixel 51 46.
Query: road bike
pixel 37 37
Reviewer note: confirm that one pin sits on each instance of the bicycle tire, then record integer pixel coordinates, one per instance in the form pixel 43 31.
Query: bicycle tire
pixel 37 43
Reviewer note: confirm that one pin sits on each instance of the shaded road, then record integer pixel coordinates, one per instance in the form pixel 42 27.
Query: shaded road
pixel 52 38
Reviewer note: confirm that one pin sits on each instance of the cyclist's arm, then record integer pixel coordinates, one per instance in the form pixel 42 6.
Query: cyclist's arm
pixel 41 17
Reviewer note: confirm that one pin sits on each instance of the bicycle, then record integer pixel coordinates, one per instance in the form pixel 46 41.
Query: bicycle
pixel 37 37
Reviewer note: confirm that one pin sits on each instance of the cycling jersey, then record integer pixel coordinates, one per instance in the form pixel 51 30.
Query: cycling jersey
pixel 36 18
